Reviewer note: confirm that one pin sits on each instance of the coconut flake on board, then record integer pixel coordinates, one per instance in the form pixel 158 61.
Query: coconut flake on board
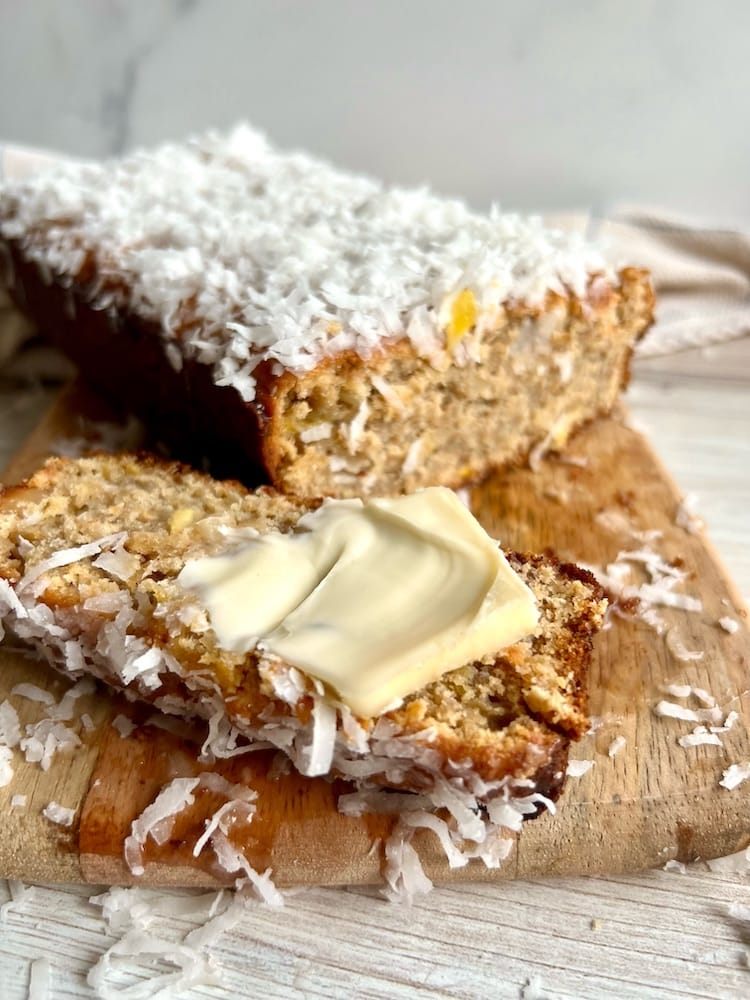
pixel 700 736
pixel 157 820
pixel 729 624
pixel 734 776
pixel 685 516
pixel 123 725
pixel 6 768
pixel 61 815
pixel 577 768
pixel 10 726
pixel 46 738
pixel 131 913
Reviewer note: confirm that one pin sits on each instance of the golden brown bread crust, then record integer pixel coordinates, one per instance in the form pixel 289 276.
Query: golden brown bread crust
pixel 463 421
pixel 511 716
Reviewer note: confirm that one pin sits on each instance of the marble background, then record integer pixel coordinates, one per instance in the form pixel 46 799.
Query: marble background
pixel 534 104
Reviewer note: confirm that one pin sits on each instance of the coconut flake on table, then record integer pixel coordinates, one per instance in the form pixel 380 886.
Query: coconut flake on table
pixel 32 692
pixel 157 820
pixel 10 727
pixel 729 624
pixel 617 744
pixel 280 257
pixel 61 815
pixel 44 739
pixel 730 720
pixel 700 736
pixel 685 516
pixel 123 725
pixel 533 989
pixel 669 709
pixel 130 915
pixel 577 768
pixel 685 691
pixel 6 769
pixel 734 775
pixel 18 801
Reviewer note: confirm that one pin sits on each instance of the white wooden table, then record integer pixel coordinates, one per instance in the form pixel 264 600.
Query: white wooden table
pixel 659 934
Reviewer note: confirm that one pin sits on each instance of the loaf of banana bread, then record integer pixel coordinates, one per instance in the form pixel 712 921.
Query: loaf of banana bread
pixel 301 324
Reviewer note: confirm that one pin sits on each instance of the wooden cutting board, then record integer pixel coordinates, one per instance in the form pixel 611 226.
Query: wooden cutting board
pixel 653 801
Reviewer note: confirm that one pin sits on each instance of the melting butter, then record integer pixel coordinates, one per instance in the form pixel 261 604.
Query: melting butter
pixel 375 599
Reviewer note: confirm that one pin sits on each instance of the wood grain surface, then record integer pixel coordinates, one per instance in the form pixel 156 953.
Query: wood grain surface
pixel 653 801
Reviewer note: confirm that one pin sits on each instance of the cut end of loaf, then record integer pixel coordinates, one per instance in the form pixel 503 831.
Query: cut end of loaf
pixel 397 421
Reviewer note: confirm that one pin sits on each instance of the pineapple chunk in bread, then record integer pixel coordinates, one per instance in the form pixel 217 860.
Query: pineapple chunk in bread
pixel 90 553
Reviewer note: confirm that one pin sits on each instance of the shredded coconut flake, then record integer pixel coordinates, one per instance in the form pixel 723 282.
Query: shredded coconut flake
pixel 10 727
pixel 685 516
pixel 729 624
pixel 44 739
pixel 700 736
pixel 123 725
pixel 34 693
pixel 56 813
pixel 170 801
pixel 319 432
pixel 65 557
pixel 577 768
pixel 617 744
pixel 669 709
pixel 6 768
pixel 411 462
pixel 734 775
pixel 18 802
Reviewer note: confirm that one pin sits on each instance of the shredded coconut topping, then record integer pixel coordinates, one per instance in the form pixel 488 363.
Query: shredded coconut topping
pixel 258 255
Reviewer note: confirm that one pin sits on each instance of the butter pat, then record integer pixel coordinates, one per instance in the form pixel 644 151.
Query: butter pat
pixel 374 599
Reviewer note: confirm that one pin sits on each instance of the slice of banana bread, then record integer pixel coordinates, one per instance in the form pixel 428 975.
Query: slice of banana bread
pixel 267 310
pixel 90 553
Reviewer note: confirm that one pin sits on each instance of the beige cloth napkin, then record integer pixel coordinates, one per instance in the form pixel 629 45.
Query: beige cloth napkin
pixel 701 273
